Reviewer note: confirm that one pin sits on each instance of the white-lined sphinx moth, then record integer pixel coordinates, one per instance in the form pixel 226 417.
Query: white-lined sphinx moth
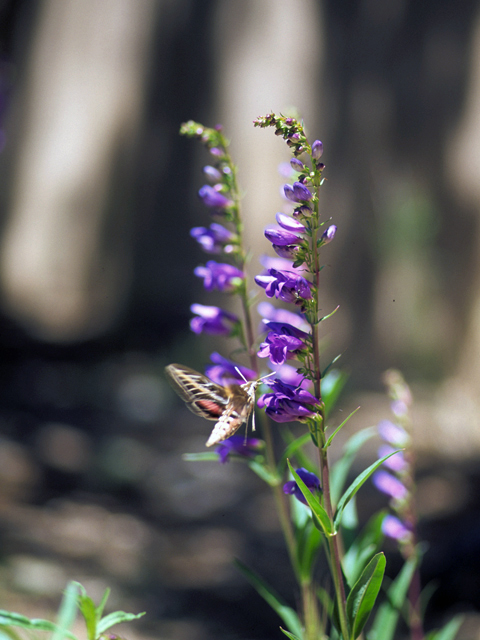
pixel 230 406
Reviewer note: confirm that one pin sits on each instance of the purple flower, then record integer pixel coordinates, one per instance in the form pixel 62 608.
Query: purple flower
pixel 212 174
pixel 225 372
pixel 394 528
pixel 396 462
pixel 287 403
pixel 329 234
pixel 212 240
pixel 281 237
pixel 317 150
pixel 269 312
pixel 311 481
pixel 240 446
pixel 290 252
pixel 212 320
pixel 286 285
pixel 221 276
pixel 289 223
pixel 213 198
pixel 386 483
pixel 393 433
pixel 283 339
pixel 297 192
pixel 288 374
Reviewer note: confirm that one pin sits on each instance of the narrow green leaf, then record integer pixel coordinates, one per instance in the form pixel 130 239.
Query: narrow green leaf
pixel 332 386
pixel 6 633
pixel 67 611
pixel 292 636
pixel 313 502
pixel 357 483
pixel 449 631
pixel 330 439
pixel 262 472
pixel 309 540
pixel 87 609
pixel 329 316
pixel 9 618
pixel 341 468
pixel 116 617
pixel 362 597
pixel 286 613
pixel 99 609
pixel 386 618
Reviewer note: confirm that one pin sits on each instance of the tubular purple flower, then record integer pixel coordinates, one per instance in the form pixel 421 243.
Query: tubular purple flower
pixel 394 528
pixel 310 480
pixel 287 403
pixel 240 446
pixel 289 193
pixel 212 198
pixel 214 239
pixel 212 320
pixel 221 276
pixel 281 237
pixel 329 234
pixel 289 223
pixel 297 165
pixel 285 285
pixel 212 174
pixel 278 347
pixel 301 192
pixel 386 483
pixel 273 314
pixel 317 150
pixel 225 372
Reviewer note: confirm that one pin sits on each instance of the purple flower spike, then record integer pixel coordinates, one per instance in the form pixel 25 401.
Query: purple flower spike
pixel 212 198
pixel 216 275
pixel 394 528
pixel 386 483
pixel 212 174
pixel 281 237
pixel 287 403
pixel 289 223
pixel 212 240
pixel 317 150
pixel 329 234
pixel 311 481
pixel 225 372
pixel 212 320
pixel 240 446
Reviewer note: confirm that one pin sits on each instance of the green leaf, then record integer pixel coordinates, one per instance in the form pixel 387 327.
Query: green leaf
pixel 67 611
pixel 116 618
pixel 9 618
pixel 309 539
pixel 362 597
pixel 330 439
pixel 286 613
pixel 363 548
pixel 88 611
pixel 262 472
pixel 101 606
pixel 292 636
pixel 449 631
pixel 341 468
pixel 314 503
pixel 357 483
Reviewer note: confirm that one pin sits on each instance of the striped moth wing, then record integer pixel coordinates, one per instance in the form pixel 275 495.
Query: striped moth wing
pixel 230 406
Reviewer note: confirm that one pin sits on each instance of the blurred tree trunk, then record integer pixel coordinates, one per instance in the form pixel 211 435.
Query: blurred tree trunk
pixel 65 255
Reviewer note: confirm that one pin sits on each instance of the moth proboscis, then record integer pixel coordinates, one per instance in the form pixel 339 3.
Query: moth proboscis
pixel 230 406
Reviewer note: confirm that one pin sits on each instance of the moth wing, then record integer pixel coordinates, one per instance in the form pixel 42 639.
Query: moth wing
pixel 202 396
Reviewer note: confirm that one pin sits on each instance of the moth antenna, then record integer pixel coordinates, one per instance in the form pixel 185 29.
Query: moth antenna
pixel 267 376
pixel 240 374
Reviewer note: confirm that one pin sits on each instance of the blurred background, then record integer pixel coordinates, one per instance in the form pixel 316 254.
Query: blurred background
pixel 98 193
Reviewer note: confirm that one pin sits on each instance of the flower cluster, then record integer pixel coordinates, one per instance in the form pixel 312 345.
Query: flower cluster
pixel 396 479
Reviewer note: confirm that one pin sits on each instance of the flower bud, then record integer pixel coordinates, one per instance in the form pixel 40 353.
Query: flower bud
pixel 297 165
pixel 317 150
pixel 212 174
pixel 329 234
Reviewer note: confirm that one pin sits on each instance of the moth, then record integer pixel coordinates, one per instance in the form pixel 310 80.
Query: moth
pixel 230 406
